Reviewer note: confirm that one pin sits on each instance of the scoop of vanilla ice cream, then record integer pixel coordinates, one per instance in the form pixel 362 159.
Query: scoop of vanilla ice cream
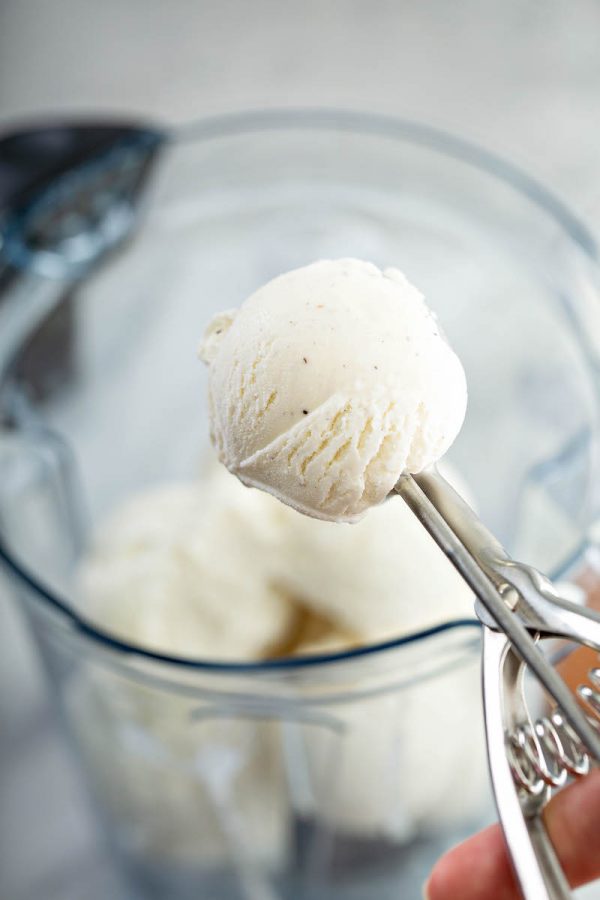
pixel 378 579
pixel 185 569
pixel 188 569
pixel 409 759
pixel 183 779
pixel 330 381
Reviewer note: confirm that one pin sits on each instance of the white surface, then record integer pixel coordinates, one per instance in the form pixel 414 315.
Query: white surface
pixel 522 77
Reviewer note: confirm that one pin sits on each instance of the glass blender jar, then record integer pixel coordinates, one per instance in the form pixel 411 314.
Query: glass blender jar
pixel 342 775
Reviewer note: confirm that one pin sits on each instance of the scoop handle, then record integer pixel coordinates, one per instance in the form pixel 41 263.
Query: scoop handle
pixel 534 859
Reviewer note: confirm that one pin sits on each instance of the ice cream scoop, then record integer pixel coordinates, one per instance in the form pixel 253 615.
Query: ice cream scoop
pixel 328 383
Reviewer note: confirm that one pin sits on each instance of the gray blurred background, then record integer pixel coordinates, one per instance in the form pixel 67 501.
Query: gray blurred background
pixel 521 77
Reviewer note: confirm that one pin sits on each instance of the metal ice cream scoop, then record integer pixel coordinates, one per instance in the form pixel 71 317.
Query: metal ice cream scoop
pixel 529 758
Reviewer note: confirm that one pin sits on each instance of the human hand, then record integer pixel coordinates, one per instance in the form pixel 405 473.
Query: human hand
pixel 480 867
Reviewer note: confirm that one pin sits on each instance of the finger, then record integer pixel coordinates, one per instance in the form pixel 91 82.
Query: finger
pixel 573 822
pixel 480 868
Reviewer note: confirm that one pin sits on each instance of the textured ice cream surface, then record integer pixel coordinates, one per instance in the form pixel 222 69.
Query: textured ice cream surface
pixel 328 383
pixel 188 569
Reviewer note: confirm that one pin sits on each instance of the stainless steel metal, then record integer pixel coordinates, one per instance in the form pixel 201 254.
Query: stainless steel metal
pixel 518 606
pixel 545 753
pixel 533 856
pixel 524 769
pixel 492 576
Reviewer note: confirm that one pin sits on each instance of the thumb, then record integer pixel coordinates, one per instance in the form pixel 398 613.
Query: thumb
pixel 480 868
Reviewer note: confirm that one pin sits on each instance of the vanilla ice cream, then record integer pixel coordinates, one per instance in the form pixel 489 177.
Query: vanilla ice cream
pixel 212 569
pixel 183 778
pixel 189 569
pixel 378 579
pixel 328 383
pixel 408 759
